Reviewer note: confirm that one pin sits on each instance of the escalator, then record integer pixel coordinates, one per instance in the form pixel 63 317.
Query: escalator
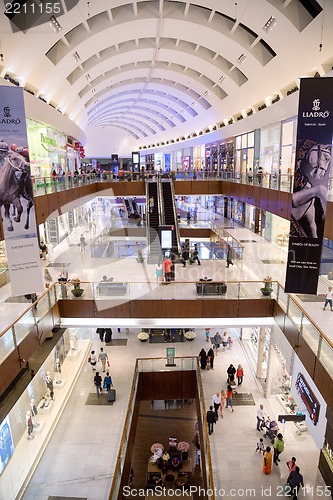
pixel 170 215
pixel 153 219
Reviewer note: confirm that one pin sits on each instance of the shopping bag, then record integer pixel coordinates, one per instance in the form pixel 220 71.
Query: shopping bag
pixel 108 363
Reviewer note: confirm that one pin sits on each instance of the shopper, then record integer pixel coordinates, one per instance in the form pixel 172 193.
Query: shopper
pixel 295 481
pixel 260 446
pixel 207 334
pixel 240 374
pixel 203 359
pixel 98 383
pixel 229 397
pixel 43 249
pixel 108 335
pixel 195 254
pixel 229 256
pixel 217 342
pixel 261 418
pixel 107 381
pixel 224 341
pixel 210 355
pixel 231 372
pixel 291 464
pixel 47 278
pixel 223 400
pixel 100 332
pixel 82 243
pixel 103 358
pixel 230 343
pixel 197 454
pixel 217 404
pixel 93 360
pixel 267 461
pixel 211 420
pixel 278 447
pixel 329 299
pixel 167 264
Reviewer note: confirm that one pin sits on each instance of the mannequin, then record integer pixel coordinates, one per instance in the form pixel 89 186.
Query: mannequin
pixel 57 371
pixel 34 413
pixel 73 340
pixel 30 425
pixel 49 384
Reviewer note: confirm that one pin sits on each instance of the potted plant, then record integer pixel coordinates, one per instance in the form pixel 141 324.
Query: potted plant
pixel 190 335
pixel 77 291
pixel 183 447
pixel 267 289
pixel 143 336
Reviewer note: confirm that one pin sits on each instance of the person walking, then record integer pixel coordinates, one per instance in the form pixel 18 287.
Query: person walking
pixel 260 446
pixel 203 359
pixel 207 334
pixel 197 454
pixel 261 417
pixel 295 481
pixel 108 335
pixel 195 254
pixel 47 278
pixel 291 464
pixel 240 374
pixel 167 264
pixel 107 381
pixel 43 249
pixel 278 447
pixel 231 372
pixel 185 255
pixel 267 461
pixel 100 332
pixel 103 358
pixel 210 355
pixel 328 299
pixel 223 395
pixel 217 404
pixel 211 420
pixel 93 360
pixel 224 341
pixel 98 383
pixel 229 397
pixel 82 243
pixel 229 256
pixel 217 342
pixel 151 204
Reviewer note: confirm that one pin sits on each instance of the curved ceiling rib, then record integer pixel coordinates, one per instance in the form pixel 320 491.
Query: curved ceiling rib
pixel 149 67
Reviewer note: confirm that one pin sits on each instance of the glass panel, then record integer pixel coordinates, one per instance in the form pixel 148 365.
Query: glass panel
pixel 6 344
pixel 295 314
pixel 326 357
pixel 283 299
pixel 42 306
pixel 250 140
pixel 287 132
pixel 244 141
pixel 310 335
pixel 24 326
pixel 239 142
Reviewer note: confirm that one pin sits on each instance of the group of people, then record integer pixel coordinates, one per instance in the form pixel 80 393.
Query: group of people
pixel 220 401
pixel 190 255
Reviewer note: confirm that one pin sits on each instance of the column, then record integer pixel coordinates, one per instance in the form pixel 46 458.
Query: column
pixel 261 345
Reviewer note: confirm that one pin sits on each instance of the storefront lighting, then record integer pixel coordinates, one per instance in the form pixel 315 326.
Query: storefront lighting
pixel 55 25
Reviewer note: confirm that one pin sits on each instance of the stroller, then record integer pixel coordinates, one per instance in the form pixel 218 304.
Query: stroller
pixel 271 429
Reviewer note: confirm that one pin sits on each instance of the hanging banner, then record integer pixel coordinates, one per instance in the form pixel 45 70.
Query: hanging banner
pixel 309 197
pixel 16 196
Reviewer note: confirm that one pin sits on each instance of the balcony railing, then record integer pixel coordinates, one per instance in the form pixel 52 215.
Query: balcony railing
pixel 313 336
pixel 159 365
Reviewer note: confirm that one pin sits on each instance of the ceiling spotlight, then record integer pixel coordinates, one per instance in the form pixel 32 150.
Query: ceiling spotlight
pixel 222 79
pixel 88 77
pixel 269 24
pixel 55 25
pixel 76 57
pixel 241 59
pixel 206 93
pixel 93 91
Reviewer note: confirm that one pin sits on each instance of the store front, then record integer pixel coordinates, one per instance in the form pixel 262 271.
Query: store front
pixel 244 155
pixel 269 159
pixel 277 230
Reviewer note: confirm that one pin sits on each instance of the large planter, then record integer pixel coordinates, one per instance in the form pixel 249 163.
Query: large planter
pixel 77 292
pixel 266 291
pixel 143 340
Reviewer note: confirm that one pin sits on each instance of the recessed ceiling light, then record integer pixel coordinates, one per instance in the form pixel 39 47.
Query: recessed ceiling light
pixel 76 57
pixel 241 59
pixel 55 25
pixel 269 24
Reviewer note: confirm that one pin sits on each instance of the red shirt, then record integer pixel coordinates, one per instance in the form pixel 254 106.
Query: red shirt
pixel 167 265
pixel 229 394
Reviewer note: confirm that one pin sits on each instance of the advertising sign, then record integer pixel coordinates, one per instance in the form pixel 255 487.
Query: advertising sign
pixel 6 444
pixel 16 196
pixel 170 356
pixel 312 172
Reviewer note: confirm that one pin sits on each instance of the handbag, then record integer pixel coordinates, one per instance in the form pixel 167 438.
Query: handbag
pixel 108 363
pixel 89 359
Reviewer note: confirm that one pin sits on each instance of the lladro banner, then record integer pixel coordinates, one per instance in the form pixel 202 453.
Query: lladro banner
pixel 309 197
pixel 16 196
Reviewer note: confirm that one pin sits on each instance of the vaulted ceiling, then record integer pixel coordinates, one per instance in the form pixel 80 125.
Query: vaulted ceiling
pixel 158 69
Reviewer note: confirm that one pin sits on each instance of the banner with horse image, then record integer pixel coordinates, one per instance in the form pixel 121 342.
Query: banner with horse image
pixel 311 179
pixel 16 196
